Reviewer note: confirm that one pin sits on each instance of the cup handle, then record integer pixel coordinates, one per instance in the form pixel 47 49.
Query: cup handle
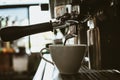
pixel 45 58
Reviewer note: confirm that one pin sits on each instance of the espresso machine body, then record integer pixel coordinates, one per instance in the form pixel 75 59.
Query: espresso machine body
pixel 110 40
pixel 108 24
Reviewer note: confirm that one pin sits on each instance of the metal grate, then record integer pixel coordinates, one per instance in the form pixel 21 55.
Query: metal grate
pixel 86 74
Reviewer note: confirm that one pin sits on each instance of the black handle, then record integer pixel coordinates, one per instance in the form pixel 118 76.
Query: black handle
pixel 14 32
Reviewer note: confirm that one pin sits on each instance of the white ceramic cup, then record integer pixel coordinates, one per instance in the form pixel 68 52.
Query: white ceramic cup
pixel 67 58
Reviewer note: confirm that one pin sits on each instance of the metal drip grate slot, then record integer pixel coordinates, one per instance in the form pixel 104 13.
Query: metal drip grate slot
pixel 86 74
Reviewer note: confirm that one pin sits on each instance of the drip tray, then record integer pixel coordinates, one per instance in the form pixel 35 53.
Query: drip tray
pixel 86 74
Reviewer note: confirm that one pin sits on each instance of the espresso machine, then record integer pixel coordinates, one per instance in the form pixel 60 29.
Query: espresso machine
pixel 77 13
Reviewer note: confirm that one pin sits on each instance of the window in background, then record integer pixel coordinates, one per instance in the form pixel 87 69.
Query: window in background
pixel 37 14
pixel 40 15
pixel 14 16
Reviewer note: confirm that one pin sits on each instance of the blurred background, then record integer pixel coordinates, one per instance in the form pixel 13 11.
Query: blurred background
pixel 19 59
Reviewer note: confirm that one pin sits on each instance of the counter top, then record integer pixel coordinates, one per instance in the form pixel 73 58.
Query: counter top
pixel 47 71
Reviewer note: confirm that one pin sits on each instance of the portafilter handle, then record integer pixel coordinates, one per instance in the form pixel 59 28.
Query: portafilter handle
pixel 11 33
pixel 15 32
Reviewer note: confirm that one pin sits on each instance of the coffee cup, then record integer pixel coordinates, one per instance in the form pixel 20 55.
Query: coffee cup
pixel 67 58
